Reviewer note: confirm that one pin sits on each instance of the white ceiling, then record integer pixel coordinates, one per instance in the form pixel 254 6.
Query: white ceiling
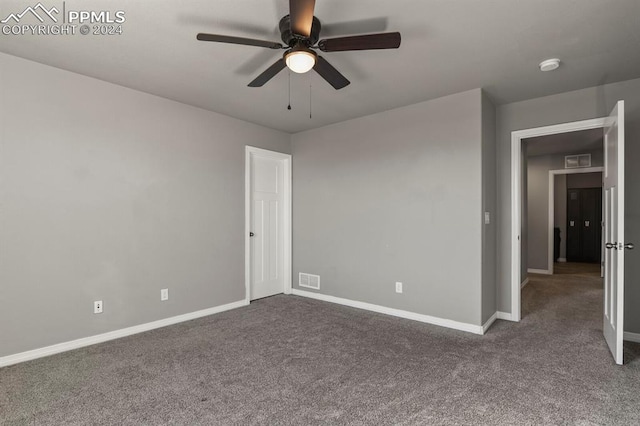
pixel 565 143
pixel 448 46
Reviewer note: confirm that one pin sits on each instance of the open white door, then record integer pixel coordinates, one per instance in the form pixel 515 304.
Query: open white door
pixel 613 326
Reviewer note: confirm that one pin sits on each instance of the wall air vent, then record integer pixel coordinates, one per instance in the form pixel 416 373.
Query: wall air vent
pixel 309 281
pixel 577 161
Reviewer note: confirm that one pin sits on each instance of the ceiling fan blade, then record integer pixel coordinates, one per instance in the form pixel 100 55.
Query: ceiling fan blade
pixel 268 74
pixel 361 42
pixel 359 26
pixel 329 73
pixel 301 14
pixel 238 40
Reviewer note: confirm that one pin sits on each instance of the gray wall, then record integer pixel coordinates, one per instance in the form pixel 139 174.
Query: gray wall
pixel 111 194
pixel 395 196
pixel 538 168
pixel 524 229
pixel 572 106
pixel 584 180
pixel 488 205
pixel 537 210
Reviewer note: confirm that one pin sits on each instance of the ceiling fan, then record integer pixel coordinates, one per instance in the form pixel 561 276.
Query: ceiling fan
pixel 300 31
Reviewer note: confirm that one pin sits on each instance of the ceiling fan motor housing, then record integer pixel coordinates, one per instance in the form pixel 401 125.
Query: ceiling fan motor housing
pixel 291 39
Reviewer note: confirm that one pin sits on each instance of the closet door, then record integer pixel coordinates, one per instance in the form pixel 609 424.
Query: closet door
pixel 574 253
pixel 591 210
pixel 584 231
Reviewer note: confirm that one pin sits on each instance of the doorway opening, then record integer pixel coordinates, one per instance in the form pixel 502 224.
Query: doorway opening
pixel 574 232
pixel 563 204
pixel 612 128
pixel 545 138
pixel 552 175
pixel 583 219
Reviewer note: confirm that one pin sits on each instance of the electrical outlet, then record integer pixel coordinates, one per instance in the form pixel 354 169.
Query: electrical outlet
pixel 398 287
pixel 97 307
pixel 164 294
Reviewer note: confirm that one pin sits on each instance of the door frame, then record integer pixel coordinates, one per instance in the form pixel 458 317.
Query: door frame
pixel 516 194
pixel 251 151
pixel 552 189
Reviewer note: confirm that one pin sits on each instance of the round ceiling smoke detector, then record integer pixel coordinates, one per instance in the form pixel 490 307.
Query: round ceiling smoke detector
pixel 549 64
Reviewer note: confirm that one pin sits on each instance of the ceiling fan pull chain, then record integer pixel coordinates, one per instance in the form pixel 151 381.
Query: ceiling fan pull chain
pixel 289 106
pixel 309 99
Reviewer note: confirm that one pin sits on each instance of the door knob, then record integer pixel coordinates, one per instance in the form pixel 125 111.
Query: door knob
pixel 251 234
pixel 629 246
pixel 611 246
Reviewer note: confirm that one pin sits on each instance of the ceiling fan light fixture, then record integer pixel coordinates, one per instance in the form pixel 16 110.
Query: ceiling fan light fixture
pixel 300 59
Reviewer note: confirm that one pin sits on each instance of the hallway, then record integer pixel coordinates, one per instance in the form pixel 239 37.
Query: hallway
pixel 573 294
pixel 571 302
pixel 584 269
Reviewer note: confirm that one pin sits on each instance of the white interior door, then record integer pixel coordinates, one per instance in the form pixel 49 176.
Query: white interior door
pixel 613 326
pixel 268 219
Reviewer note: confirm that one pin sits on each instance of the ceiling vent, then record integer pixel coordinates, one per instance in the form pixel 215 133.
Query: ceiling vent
pixel 577 161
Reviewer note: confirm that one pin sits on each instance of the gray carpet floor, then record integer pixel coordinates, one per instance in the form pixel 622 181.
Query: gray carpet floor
pixel 287 360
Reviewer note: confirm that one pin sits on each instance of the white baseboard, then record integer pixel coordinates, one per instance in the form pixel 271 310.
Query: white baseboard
pixel 504 316
pixel 539 271
pixel 632 337
pixel 524 283
pixel 463 326
pixel 562 260
pixel 489 322
pixel 99 338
